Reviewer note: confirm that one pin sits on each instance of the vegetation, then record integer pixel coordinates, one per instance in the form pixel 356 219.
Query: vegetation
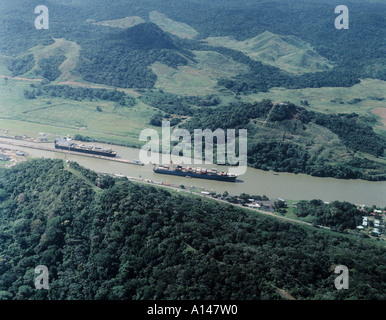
pixel 122 59
pixel 79 93
pixel 354 133
pixel 49 67
pixel 107 238
pixel 284 152
pixel 292 139
pixel 337 215
pixel 21 65
pixel 128 241
pixel 179 105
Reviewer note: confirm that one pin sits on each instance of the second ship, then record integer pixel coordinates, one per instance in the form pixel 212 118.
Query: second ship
pixel 201 173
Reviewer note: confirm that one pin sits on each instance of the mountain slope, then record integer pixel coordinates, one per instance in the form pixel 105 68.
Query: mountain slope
pixel 286 52
pixel 122 59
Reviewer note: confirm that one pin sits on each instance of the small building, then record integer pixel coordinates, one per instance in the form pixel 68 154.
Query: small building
pixel 254 205
pixel 4 157
pixel 359 227
pixel 268 205
pixel 20 153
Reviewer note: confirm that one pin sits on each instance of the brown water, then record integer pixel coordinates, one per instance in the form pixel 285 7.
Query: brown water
pixel 283 185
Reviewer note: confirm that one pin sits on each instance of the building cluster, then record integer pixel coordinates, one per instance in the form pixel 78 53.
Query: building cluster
pixel 373 222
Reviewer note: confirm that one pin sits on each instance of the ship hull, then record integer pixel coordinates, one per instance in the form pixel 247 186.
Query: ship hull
pixel 198 176
pixel 95 152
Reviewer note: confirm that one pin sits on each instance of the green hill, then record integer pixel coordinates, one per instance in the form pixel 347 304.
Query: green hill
pixel 134 242
pixel 288 138
pixel 285 52
pixel 122 59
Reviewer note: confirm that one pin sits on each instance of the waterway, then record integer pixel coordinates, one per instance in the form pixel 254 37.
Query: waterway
pixel 254 182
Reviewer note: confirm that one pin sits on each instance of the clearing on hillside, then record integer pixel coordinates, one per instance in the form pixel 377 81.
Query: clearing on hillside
pixel 285 52
pixel 179 29
pixel 124 23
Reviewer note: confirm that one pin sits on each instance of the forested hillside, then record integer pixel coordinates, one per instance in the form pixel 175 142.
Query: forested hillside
pixel 355 53
pixel 284 137
pixel 128 241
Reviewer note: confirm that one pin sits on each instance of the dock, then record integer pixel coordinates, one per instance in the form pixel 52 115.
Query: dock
pixel 23 144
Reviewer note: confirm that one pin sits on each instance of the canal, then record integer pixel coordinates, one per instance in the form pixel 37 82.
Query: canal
pixel 254 181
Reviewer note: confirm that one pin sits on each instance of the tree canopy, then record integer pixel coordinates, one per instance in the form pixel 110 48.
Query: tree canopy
pixel 131 241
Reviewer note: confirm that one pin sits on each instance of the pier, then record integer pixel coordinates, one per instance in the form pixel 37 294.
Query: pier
pixel 28 144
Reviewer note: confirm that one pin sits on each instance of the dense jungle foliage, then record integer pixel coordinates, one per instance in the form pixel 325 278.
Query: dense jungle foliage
pixel 130 241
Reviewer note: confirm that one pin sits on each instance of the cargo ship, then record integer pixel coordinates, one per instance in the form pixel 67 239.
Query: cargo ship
pixel 67 144
pixel 189 172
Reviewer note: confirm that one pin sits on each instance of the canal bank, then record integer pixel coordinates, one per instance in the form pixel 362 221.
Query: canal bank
pixel 254 181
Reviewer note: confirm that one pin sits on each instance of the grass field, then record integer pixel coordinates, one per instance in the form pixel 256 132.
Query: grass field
pixel 61 47
pixel 57 116
pixel 285 52
pixel 336 100
pixel 199 77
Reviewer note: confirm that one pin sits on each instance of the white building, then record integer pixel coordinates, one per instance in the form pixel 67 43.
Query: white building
pixel 376 230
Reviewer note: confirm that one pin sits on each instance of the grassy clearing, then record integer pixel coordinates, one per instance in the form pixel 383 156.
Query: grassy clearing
pixel 179 29
pixel 285 52
pixel 124 23
pixel 69 49
pixel 334 100
pixel 197 78
pixel 59 116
